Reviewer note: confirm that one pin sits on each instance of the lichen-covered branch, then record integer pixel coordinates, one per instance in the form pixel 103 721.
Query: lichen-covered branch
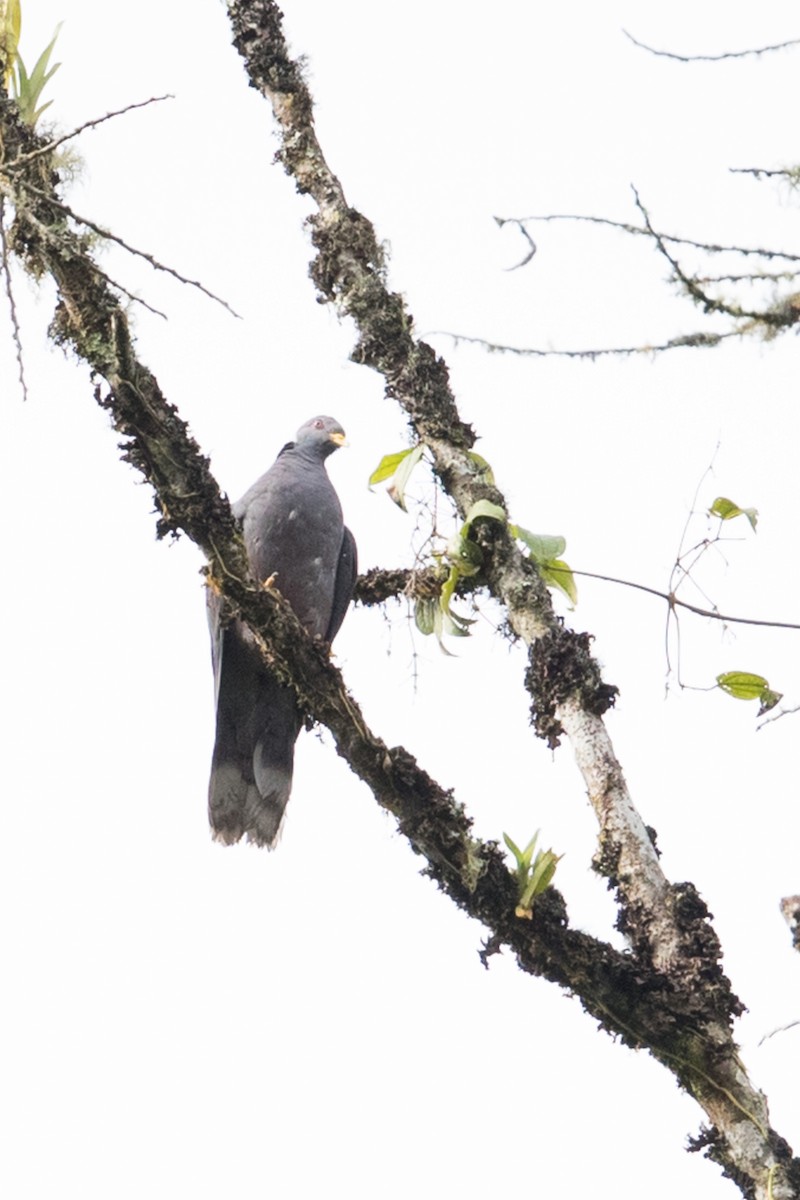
pixel 790 907
pixel 91 321
pixel 669 995
pixel 675 947
pixel 349 271
pixel 378 585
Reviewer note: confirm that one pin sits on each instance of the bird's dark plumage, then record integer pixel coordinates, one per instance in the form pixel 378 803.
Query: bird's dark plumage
pixel 293 531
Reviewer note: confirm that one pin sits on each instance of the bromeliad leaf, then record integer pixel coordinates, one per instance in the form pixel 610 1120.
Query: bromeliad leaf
pixel 28 89
pixel 10 26
pixel 726 510
pixel 533 875
pixel 544 868
pixel 514 848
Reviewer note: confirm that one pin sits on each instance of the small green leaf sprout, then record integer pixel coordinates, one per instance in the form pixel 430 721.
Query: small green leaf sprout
pixel 27 89
pixel 534 874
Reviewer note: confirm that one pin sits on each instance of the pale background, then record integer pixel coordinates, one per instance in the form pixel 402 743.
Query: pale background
pixel 185 1020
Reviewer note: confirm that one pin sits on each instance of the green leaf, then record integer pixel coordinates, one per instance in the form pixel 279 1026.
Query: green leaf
pixel 452 622
pixel 10 26
pixel 455 625
pixel 742 684
pixel 522 857
pixel 483 508
pixel 483 467
pixel 464 554
pixel 543 547
pixel 515 850
pixel 448 588
pixel 438 629
pixel 745 686
pixel 28 88
pixel 541 877
pixel 557 574
pixel 397 489
pixel 726 510
pixel 531 880
pixel 768 700
pixel 387 466
pixel 425 615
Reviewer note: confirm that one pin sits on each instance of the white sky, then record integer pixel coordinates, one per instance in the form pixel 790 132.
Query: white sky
pixel 186 1020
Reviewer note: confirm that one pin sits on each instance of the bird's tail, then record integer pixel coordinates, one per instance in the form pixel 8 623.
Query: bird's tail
pixel 248 792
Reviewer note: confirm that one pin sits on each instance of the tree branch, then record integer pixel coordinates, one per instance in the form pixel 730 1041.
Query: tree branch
pixel 790 907
pixel 670 995
pixel 711 57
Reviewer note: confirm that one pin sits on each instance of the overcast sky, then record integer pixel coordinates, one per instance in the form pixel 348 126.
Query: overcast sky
pixel 183 1019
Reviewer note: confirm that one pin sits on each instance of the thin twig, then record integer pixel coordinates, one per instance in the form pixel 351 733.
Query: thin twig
pixel 684 341
pixel 708 303
pixel 750 277
pixel 52 238
pixel 784 712
pixel 780 1029
pixel 674 602
pixel 792 173
pixel 531 246
pixel 112 237
pixel 710 57
pixel 51 146
pixel 12 307
pixel 710 247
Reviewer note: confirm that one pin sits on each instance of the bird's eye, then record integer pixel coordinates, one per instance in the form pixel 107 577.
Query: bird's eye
pixel 319 424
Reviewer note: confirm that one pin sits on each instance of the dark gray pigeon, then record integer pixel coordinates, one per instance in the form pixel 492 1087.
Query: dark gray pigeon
pixel 294 534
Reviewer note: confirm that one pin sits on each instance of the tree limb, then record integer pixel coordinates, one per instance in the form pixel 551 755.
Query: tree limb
pixel 668 926
pixel 670 995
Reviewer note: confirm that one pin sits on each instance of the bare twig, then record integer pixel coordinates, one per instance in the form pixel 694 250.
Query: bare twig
pixel 790 173
pixel 53 238
pixel 750 277
pixel 626 227
pixel 5 266
pixel 108 236
pixel 776 716
pixel 710 57
pixel 770 317
pixel 531 246
pixel 780 1029
pixel 672 600
pixel 683 342
pixel 42 151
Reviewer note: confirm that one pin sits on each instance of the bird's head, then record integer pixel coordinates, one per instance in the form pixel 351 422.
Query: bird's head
pixel 322 434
